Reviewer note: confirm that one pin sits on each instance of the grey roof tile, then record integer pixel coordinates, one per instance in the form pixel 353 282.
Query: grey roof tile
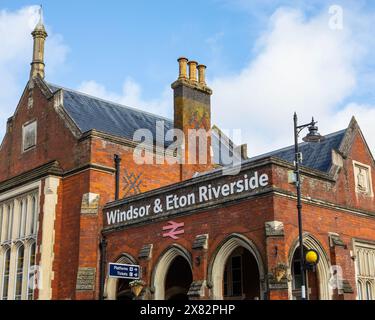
pixel 93 113
pixel 315 155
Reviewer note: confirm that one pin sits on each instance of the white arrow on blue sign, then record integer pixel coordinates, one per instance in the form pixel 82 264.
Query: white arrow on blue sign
pixel 124 271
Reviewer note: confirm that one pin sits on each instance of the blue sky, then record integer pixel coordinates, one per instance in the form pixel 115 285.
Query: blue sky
pixel 265 58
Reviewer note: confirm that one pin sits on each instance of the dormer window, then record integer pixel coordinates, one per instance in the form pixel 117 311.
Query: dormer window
pixel 362 178
pixel 29 136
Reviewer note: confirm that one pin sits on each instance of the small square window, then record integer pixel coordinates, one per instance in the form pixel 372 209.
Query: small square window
pixel 362 178
pixel 29 136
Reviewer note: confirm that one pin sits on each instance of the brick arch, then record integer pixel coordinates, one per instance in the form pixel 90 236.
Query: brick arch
pixel 219 260
pixel 162 266
pixel 323 267
pixel 111 283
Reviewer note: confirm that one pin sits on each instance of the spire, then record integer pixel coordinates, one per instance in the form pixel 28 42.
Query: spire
pixel 39 35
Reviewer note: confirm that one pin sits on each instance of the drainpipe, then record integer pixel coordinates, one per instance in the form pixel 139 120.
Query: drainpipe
pixel 117 176
pixel 103 263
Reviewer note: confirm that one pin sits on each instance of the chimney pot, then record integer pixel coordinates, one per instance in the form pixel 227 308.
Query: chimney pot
pixel 183 68
pixel 202 74
pixel 193 71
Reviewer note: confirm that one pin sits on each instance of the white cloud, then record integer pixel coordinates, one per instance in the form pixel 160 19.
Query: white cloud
pixel 131 95
pixel 16 55
pixel 365 115
pixel 301 65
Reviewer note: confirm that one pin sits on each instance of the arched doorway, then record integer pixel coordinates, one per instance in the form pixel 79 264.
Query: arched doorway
pixel 311 276
pixel 123 291
pixel 172 275
pixel 237 270
pixel 178 280
pixel 119 289
pixel 241 276
pixel 317 280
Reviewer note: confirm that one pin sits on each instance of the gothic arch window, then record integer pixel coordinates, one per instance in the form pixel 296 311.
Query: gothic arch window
pixel 1 221
pixel 22 216
pixel 365 269
pixel 33 220
pixel 368 290
pixel 18 216
pixel 5 277
pixel 359 289
pixel 9 221
pixel 19 271
pixel 31 272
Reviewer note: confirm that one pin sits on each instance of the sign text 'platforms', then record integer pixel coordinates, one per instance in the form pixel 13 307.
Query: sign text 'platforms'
pixel 124 271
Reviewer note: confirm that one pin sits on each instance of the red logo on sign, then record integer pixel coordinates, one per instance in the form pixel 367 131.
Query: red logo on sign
pixel 172 229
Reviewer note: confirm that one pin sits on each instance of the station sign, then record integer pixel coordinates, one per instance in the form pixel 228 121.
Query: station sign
pixel 124 271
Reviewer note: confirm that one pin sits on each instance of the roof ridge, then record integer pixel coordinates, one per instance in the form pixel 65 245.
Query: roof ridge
pixel 108 101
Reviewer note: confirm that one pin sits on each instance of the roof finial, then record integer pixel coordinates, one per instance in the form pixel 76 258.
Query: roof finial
pixel 40 22
pixel 39 34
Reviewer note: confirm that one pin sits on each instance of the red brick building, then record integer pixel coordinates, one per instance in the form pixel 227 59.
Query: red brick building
pixel 196 231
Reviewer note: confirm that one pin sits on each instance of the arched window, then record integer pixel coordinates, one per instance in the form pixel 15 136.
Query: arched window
pixel 1 221
pixel 31 273
pixel 21 214
pixel 19 270
pixel 6 274
pixel 24 218
pixel 359 289
pixel 10 222
pixel 368 290
pixel 33 216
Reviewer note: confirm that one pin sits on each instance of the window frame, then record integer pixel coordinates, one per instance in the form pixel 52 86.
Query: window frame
pixel 24 127
pixel 364 251
pixel 4 268
pixel 19 273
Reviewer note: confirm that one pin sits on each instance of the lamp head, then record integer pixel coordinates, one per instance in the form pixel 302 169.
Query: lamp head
pixel 313 135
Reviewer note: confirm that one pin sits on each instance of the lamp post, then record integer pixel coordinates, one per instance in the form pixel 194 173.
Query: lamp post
pixel 312 136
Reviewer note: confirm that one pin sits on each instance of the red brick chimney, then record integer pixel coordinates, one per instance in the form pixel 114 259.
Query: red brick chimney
pixel 192 111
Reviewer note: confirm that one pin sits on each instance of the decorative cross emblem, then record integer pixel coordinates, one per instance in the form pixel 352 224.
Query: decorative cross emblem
pixel 131 183
pixel 172 231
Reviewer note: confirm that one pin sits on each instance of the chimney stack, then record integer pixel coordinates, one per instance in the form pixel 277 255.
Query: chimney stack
pixel 192 111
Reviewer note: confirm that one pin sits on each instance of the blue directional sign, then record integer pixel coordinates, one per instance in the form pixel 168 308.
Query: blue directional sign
pixel 124 271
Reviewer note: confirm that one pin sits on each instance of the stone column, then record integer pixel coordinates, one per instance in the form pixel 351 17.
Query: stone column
pixel 342 267
pixel 198 289
pixel 88 248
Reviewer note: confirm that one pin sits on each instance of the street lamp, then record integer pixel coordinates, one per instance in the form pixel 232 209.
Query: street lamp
pixel 312 136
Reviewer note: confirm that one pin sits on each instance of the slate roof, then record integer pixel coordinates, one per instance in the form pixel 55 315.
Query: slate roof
pixel 89 113
pixel 94 113
pixel 315 155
